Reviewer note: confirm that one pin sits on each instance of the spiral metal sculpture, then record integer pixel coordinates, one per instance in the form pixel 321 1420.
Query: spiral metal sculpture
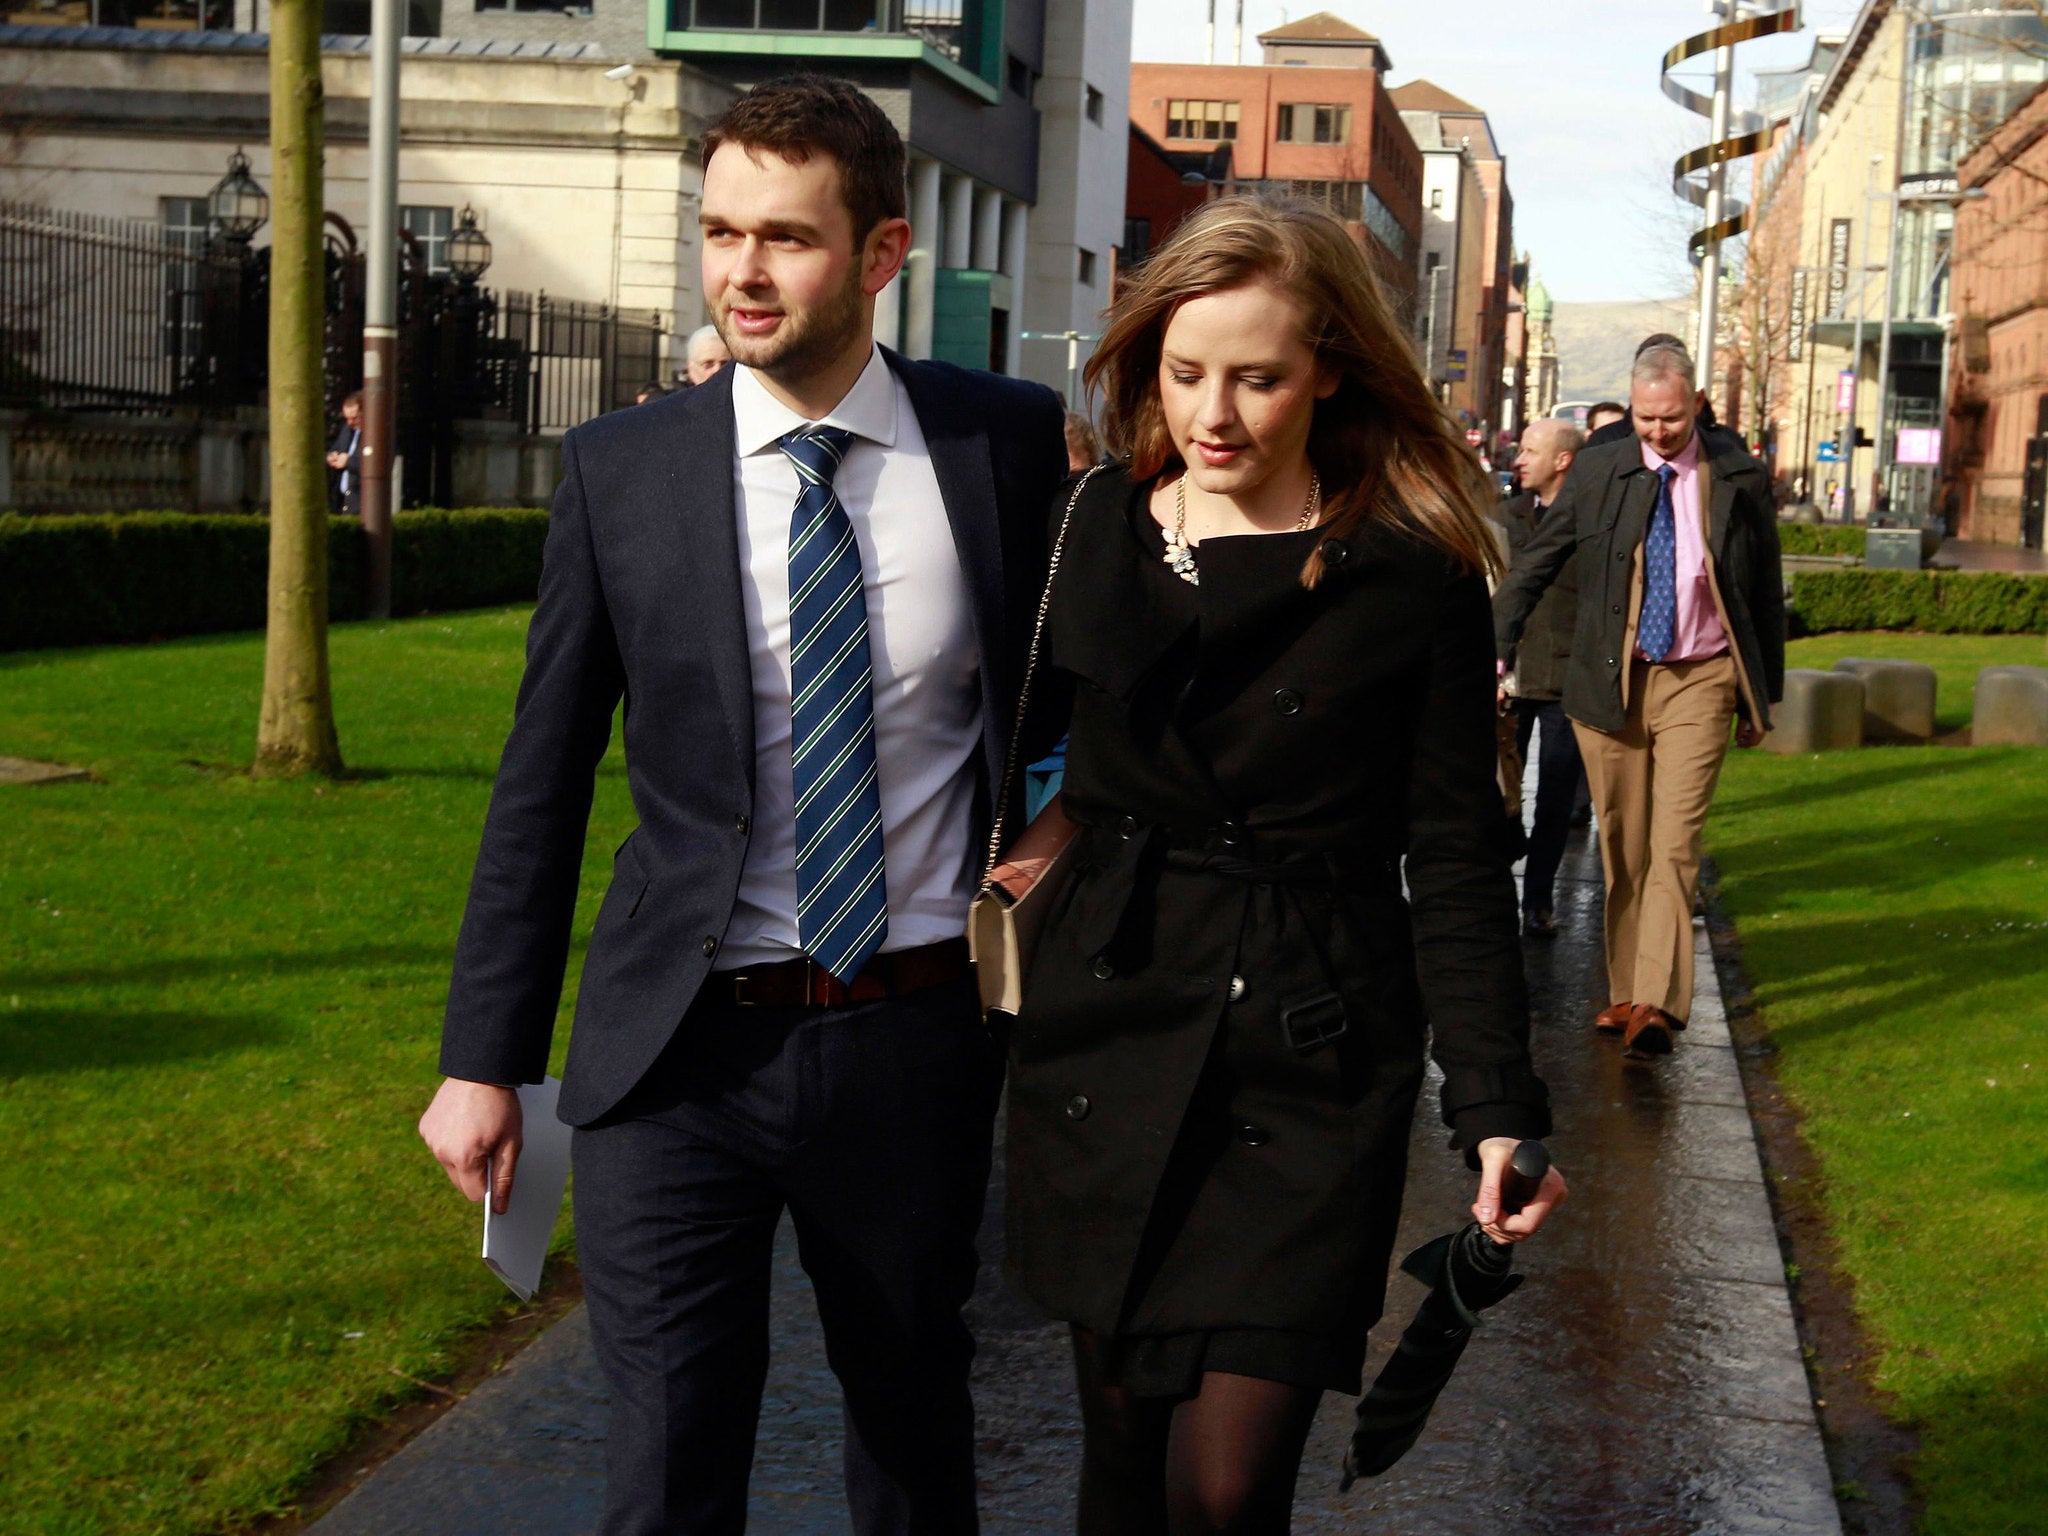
pixel 1747 133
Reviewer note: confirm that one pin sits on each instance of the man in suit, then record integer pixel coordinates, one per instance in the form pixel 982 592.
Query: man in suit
pixel 812 578
pixel 1681 627
pixel 345 455
pixel 1549 447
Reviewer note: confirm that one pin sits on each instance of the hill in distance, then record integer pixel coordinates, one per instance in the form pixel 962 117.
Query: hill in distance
pixel 1597 342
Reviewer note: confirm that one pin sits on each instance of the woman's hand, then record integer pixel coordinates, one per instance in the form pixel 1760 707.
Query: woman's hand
pixel 1050 831
pixel 1494 1155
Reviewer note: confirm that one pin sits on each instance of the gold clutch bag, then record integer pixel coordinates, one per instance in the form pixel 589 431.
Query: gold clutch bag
pixel 1003 926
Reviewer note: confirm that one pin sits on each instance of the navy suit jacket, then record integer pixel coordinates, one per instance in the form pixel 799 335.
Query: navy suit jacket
pixel 640 600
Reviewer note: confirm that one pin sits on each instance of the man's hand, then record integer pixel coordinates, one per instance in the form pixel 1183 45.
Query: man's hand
pixel 1494 1155
pixel 469 1124
pixel 337 461
pixel 1746 733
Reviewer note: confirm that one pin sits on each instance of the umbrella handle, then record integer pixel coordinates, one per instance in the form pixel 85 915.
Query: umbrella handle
pixel 1524 1176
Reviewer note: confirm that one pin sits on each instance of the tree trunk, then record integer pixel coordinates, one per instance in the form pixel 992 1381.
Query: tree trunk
pixel 296 733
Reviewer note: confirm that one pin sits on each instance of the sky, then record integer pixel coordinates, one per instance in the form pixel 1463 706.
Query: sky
pixel 1573 101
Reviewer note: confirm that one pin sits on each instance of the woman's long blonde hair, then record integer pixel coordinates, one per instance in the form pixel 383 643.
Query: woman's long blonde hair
pixel 1384 446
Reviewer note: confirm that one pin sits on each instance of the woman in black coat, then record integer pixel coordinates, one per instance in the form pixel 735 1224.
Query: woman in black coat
pixel 1283 681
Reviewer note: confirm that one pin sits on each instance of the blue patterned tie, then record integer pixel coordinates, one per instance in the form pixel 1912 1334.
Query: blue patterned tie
pixel 1659 622
pixel 842 900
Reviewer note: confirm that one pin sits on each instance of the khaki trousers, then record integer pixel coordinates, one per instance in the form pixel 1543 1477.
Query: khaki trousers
pixel 1652 782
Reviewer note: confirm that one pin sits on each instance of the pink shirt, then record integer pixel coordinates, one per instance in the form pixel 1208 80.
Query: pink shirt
pixel 1698 633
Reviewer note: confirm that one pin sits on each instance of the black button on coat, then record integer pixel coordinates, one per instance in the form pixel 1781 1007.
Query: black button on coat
pixel 1223 1178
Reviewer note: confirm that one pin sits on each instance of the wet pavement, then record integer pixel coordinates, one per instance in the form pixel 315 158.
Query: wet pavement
pixel 1646 1381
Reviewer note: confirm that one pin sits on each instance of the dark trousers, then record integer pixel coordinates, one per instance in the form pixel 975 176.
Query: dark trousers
pixel 1560 784
pixel 872 1124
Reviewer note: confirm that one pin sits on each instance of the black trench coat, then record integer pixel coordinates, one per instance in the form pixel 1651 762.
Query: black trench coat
pixel 1252 762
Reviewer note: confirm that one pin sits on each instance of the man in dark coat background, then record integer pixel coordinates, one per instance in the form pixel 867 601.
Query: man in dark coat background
pixel 812 579
pixel 1681 628
pixel 1549 448
pixel 345 456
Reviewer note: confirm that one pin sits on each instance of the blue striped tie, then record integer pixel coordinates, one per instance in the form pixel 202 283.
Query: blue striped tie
pixel 842 900
pixel 1659 622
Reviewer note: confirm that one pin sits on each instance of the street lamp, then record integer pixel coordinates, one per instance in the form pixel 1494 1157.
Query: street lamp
pixel 237 206
pixel 469 251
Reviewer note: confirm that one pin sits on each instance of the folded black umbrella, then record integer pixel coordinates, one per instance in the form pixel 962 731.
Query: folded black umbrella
pixel 1466 1272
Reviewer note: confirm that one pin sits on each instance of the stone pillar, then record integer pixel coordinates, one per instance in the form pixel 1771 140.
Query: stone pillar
pixel 921 284
pixel 889 313
pixel 959 243
pixel 986 253
pixel 1016 250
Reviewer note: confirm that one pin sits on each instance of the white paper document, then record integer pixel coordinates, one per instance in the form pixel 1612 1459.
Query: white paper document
pixel 516 1243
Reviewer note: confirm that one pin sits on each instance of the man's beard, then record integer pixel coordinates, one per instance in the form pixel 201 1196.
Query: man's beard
pixel 805 344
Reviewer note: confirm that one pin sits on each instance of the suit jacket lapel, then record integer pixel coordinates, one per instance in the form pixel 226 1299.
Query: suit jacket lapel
pixel 704 518
pixel 958 443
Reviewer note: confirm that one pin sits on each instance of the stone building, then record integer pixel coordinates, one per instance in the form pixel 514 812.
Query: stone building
pixel 1539 386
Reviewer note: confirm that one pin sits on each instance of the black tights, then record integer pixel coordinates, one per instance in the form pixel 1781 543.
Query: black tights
pixel 1220 1463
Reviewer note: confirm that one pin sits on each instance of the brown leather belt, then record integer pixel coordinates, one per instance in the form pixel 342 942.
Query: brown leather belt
pixel 803 983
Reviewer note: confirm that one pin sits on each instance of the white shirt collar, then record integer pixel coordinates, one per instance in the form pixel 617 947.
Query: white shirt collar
pixel 868 411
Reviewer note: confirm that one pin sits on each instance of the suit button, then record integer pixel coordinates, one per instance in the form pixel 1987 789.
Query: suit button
pixel 1236 988
pixel 710 946
pixel 1334 551
pixel 1617 607
pixel 1078 1107
pixel 1127 827
pixel 1612 662
pixel 1287 701
pixel 1102 968
pixel 742 825
pixel 1253 1135
pixel 1231 835
pixel 1621 554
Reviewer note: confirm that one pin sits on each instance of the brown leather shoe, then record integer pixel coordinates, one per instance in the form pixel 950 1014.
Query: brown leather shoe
pixel 1613 1019
pixel 1649 1033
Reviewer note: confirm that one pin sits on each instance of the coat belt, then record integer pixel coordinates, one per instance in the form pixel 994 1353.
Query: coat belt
pixel 1127 853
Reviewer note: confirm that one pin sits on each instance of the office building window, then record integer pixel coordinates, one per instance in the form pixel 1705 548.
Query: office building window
pixel 1093 105
pixel 1304 122
pixel 1436 199
pixel 431 228
pixel 1211 120
pixel 941 23
pixel 1020 78
pixel 1137 241
pixel 1085 270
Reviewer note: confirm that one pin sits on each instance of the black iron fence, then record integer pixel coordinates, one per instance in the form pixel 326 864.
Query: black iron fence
pixel 120 315
pixel 114 314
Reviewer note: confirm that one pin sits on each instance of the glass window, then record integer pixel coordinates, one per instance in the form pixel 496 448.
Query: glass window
pixel 187 227
pixel 430 227
pixel 1085 269
pixel 1093 105
pixel 1211 120
pixel 1302 122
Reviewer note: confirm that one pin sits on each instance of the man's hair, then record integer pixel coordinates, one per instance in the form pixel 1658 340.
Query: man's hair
pixel 799 116
pixel 1607 408
pixel 1564 437
pixel 700 334
pixel 1659 339
pixel 1664 362
pixel 1082 437
pixel 353 398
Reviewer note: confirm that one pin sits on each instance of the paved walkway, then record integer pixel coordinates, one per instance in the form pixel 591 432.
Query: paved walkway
pixel 1645 1382
pixel 1977 555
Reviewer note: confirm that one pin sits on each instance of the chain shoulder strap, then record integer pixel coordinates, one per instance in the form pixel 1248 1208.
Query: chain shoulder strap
pixel 1052 569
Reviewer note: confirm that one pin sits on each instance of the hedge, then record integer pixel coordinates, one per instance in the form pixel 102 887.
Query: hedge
pixel 91 580
pixel 1820 539
pixel 1932 602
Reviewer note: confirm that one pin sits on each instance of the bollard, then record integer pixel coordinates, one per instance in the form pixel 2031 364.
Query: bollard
pixel 1898 697
pixel 1821 711
pixel 2011 708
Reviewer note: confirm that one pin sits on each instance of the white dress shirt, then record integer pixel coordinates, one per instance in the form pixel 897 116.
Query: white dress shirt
pixel 926 664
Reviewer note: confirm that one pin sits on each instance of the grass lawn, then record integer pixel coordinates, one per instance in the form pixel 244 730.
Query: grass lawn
pixel 219 1002
pixel 1893 907
pixel 1956 660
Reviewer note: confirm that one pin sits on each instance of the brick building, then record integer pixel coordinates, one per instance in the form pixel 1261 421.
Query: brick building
pixel 1469 225
pixel 1315 119
pixel 1997 442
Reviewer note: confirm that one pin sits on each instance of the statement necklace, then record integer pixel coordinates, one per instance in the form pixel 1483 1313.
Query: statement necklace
pixel 1181 556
